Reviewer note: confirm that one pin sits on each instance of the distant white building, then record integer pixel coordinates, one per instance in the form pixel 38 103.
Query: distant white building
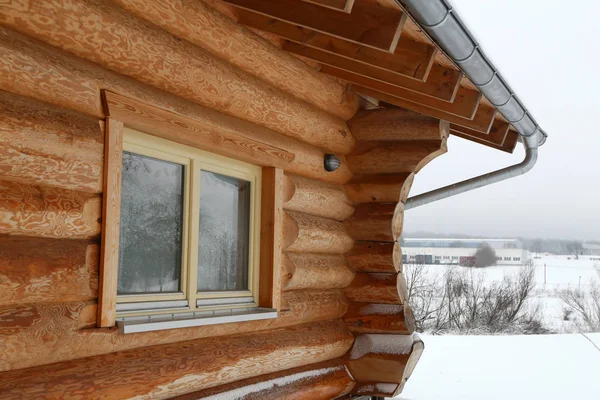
pixel 461 251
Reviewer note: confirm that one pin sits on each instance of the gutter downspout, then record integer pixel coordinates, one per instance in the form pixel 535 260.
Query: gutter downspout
pixel 531 155
pixel 444 26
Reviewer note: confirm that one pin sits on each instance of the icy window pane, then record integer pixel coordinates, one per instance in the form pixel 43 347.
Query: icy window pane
pixel 151 225
pixel 223 242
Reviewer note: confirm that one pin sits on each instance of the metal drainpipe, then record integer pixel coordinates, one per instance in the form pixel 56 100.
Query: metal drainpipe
pixel 531 155
pixel 443 24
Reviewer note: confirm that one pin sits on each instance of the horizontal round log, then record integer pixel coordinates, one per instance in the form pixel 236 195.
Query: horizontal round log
pixel 379 318
pixel 179 368
pixel 60 326
pixel 376 222
pixel 381 357
pixel 375 257
pixel 44 145
pixel 75 83
pixel 380 188
pixel 305 233
pixel 374 288
pixel 48 212
pixel 316 198
pixel 47 270
pixel 200 24
pixel 394 157
pixel 315 271
pixel 130 46
pixel 324 380
pixel 396 124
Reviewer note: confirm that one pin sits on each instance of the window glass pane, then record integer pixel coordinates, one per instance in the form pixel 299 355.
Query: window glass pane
pixel 151 225
pixel 223 238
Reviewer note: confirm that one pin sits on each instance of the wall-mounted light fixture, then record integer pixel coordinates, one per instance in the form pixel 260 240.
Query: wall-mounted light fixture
pixel 331 162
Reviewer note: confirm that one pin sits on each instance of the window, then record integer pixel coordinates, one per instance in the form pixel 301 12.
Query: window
pixel 455 257
pixel 446 257
pixel 506 258
pixel 189 230
pixel 516 258
pixel 437 257
pixel 498 258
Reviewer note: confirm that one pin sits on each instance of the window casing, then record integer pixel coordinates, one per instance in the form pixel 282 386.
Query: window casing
pixel 198 165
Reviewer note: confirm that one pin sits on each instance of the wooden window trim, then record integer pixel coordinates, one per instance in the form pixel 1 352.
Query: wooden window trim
pixel 164 124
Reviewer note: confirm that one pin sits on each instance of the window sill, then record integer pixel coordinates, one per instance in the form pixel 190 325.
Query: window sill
pixel 187 320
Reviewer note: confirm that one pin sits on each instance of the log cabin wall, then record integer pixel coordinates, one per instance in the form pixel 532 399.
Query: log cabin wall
pixel 340 270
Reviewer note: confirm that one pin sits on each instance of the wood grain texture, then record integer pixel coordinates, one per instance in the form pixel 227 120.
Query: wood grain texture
pixel 387 157
pixel 341 5
pixel 316 198
pixel 375 257
pixel 172 126
pixel 61 79
pixel 500 136
pixel 366 25
pixel 324 380
pixel 306 233
pixel 380 288
pixel 464 104
pixel 373 362
pixel 200 24
pixel 132 47
pixel 48 212
pixel 47 270
pixel 396 124
pixel 315 271
pixel 481 121
pixel 376 222
pixel 41 144
pixel 174 369
pixel 379 318
pixel 412 59
pixel 442 83
pixel 56 336
pixel 271 233
pixel 379 188
pixel 111 226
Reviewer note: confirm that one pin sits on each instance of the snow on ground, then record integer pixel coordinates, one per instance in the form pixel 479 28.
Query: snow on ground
pixel 561 272
pixel 544 367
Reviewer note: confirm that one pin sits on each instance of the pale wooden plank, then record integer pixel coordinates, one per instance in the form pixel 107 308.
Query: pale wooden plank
pixel 370 26
pixel 111 217
pixel 411 59
pixel 271 237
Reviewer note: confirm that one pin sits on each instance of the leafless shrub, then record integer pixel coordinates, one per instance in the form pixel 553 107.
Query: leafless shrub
pixel 461 301
pixel 583 305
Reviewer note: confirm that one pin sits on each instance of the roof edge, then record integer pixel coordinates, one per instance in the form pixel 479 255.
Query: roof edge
pixel 444 26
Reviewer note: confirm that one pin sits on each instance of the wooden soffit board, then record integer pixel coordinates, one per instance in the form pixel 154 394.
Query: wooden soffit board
pixel 385 56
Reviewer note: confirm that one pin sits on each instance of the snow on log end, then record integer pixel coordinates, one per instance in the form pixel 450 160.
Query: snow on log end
pixel 383 344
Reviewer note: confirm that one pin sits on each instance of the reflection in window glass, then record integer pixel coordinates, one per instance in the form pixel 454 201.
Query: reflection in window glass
pixel 223 236
pixel 151 225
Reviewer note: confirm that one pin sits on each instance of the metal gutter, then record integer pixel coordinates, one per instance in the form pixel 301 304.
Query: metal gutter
pixel 443 25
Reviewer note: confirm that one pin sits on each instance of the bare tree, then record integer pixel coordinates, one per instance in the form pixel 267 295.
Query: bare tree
pixel 584 304
pixel 575 248
pixel 485 256
pixel 462 301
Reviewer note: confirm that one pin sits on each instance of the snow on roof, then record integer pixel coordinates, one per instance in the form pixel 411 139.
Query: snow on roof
pixel 532 367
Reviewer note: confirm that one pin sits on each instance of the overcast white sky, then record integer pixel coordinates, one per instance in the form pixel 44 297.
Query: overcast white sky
pixel 549 54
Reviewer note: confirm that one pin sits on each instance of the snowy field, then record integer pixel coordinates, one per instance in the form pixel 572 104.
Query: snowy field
pixel 544 367
pixel 560 272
